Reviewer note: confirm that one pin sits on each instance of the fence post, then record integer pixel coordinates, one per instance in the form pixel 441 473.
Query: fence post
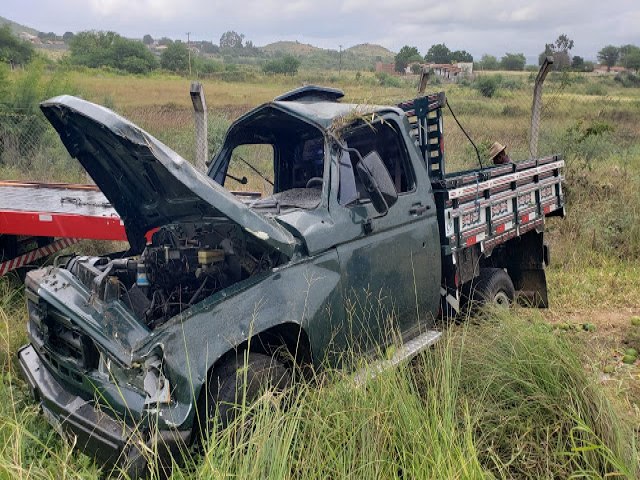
pixel 537 105
pixel 200 118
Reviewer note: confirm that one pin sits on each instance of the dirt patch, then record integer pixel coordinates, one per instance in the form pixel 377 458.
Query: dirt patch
pixel 604 348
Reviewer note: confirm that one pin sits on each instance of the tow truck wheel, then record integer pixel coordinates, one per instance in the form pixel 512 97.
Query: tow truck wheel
pixel 238 381
pixel 493 287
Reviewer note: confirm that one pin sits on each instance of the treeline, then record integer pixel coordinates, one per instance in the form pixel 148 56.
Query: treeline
pixel 108 49
pixel 627 56
pixel 441 54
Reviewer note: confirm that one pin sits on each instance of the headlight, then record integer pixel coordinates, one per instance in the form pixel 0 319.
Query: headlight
pixel 156 385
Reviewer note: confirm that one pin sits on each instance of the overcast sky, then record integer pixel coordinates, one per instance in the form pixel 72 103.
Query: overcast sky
pixel 488 26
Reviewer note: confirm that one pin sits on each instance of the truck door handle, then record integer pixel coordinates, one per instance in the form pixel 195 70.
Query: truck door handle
pixel 418 209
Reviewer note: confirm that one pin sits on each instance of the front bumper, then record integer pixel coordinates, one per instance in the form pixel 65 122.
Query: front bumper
pixel 111 442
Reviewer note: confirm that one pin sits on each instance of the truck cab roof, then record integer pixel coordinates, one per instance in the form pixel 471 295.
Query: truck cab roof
pixel 319 106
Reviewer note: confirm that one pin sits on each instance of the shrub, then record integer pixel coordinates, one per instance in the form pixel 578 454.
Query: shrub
pixel 628 79
pixel 175 57
pixel 287 65
pixel 13 50
pixel 488 85
pixel 595 89
pixel 387 80
pixel 513 111
pixel 207 67
pixel 588 141
pixel 511 84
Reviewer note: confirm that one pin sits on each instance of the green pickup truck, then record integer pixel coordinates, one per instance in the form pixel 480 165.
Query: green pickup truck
pixel 356 236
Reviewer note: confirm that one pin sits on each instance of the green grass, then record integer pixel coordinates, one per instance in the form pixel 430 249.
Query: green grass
pixel 508 398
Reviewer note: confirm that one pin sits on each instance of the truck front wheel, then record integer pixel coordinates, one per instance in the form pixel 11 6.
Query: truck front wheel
pixel 240 381
pixel 493 287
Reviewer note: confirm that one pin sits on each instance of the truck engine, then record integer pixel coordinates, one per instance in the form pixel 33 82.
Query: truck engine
pixel 182 265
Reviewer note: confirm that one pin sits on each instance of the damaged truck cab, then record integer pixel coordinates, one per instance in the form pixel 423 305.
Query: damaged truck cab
pixel 357 238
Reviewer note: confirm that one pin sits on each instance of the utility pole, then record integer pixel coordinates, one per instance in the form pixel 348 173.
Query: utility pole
pixel 189 50
pixel 340 64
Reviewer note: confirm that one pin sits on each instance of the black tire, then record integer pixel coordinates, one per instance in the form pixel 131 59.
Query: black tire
pixel 492 287
pixel 226 388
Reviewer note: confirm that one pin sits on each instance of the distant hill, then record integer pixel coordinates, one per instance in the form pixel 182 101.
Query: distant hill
pixel 290 48
pixel 371 50
pixel 358 57
pixel 16 28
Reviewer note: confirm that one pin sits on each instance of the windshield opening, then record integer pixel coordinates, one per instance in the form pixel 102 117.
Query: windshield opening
pixel 276 155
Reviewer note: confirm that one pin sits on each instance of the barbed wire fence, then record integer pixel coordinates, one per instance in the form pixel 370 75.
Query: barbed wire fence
pixel 577 115
pixel 581 117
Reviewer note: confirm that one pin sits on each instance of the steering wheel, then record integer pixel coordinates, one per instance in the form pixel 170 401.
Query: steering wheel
pixel 313 181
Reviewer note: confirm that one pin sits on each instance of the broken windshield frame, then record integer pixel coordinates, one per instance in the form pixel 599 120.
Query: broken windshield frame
pixel 277 146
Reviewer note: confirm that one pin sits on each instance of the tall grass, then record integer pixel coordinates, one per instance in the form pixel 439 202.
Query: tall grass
pixel 507 398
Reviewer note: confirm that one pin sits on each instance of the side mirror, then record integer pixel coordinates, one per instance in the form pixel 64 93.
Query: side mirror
pixel 376 180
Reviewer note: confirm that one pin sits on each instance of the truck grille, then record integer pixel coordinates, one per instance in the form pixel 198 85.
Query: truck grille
pixel 63 347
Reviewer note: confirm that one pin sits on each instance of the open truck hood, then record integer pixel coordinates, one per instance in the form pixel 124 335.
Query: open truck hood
pixel 147 183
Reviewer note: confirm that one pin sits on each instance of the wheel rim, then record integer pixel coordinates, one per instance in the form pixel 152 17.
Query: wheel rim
pixel 501 299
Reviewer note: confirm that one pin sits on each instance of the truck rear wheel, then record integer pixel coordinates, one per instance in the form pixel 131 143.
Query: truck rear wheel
pixel 493 287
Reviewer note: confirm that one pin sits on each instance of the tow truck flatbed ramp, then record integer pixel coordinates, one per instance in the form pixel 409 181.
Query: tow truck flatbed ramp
pixel 39 219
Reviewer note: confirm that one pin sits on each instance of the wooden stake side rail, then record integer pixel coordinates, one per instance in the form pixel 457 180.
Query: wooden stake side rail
pixel 497 209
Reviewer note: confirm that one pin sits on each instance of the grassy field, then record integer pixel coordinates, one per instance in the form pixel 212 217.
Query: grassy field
pixel 524 394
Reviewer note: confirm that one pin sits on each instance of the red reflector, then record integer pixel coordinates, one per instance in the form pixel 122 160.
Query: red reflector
pixel 547 209
pixel 456 279
pixel 471 241
pixel 524 219
pixel 500 228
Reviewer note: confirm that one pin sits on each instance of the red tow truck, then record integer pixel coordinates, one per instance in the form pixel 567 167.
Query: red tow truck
pixel 40 219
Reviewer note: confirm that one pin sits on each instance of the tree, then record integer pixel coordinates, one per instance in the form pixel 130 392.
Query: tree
pixel 132 56
pixel 560 52
pixel 438 53
pixel 488 62
pixel 287 65
pixel 609 56
pixel 67 37
pixel 577 63
pixel 461 56
pixel 405 56
pixel 175 57
pixel 165 41
pixel 513 61
pixel 630 57
pixel 13 50
pixel 231 39
pixel 563 43
pixel 632 60
pixel 147 39
pixel 208 47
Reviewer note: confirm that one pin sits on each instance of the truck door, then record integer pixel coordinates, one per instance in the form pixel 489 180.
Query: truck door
pixel 390 264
